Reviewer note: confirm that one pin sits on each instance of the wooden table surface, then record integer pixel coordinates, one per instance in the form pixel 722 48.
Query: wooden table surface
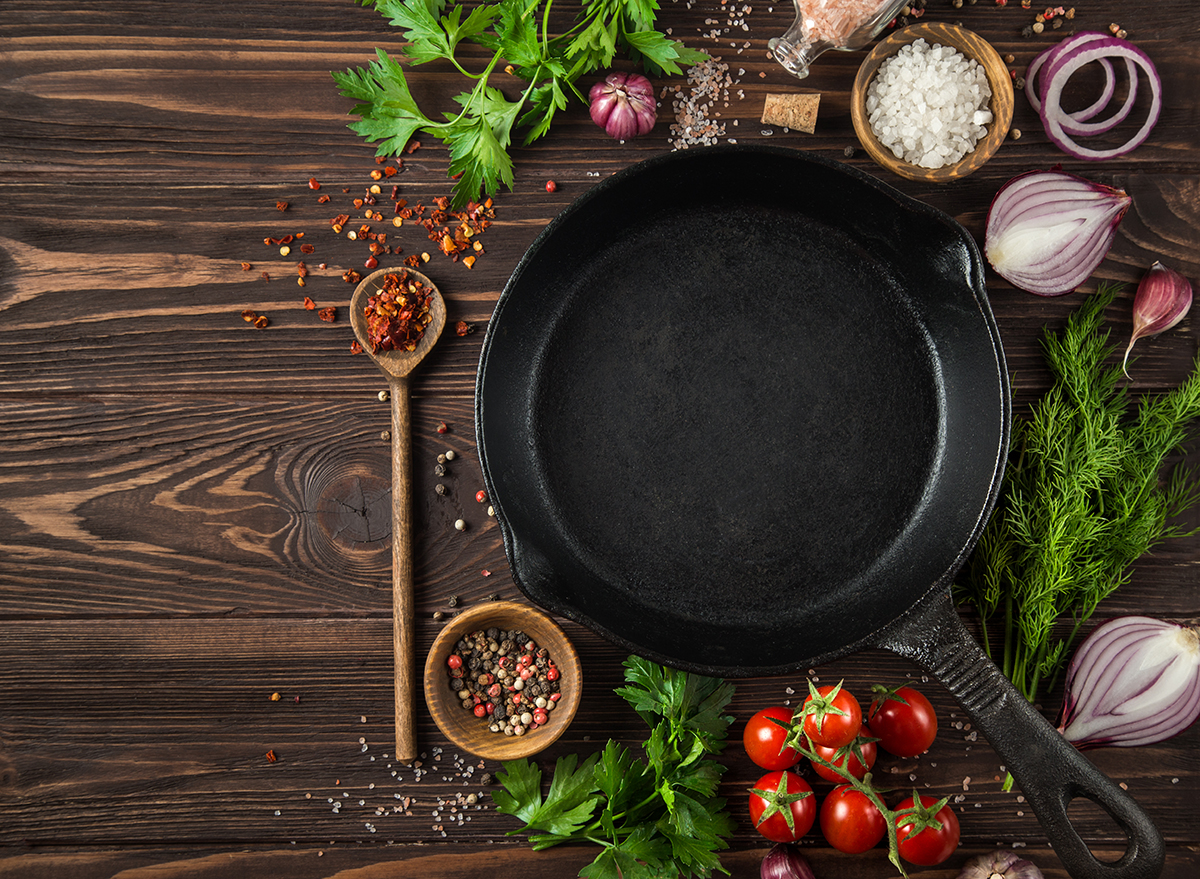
pixel 194 514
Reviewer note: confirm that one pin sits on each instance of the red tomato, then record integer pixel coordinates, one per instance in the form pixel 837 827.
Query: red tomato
pixel 846 758
pixel 782 806
pixel 905 728
pixel 850 821
pixel 763 739
pixel 919 842
pixel 835 719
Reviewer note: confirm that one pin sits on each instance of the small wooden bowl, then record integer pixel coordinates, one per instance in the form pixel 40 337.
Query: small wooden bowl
pixel 972 46
pixel 471 733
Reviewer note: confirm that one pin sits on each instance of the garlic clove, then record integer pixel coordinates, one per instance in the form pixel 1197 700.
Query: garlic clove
pixel 1162 300
pixel 784 861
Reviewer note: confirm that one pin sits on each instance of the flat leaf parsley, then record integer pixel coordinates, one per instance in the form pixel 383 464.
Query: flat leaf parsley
pixel 479 133
pixel 653 817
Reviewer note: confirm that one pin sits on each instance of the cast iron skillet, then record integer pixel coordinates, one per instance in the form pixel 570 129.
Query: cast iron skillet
pixel 745 410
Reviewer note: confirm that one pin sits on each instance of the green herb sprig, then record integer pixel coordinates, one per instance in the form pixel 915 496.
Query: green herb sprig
pixel 653 817
pixel 480 131
pixel 1081 500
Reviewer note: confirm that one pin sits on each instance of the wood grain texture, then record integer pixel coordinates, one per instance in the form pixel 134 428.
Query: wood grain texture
pixel 195 514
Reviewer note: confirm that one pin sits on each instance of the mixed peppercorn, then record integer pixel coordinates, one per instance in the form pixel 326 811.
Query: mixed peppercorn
pixel 504 677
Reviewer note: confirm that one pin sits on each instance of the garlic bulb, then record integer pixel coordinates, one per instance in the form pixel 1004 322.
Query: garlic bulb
pixel 999 865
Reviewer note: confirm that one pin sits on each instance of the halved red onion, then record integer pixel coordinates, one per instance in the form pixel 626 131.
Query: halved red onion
pixel 1065 64
pixel 1133 681
pixel 1047 231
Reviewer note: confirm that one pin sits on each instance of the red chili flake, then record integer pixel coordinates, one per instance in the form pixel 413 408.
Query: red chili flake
pixel 307 248
pixel 351 277
pixel 248 316
pixel 443 427
pixel 371 263
pixel 340 220
pixel 265 276
pixel 271 758
pixel 412 260
pixel 329 315
pixel 281 205
pixel 246 267
pixel 261 321
pixel 551 186
pixel 462 328
pixel 377 175
pixel 287 239
pixel 389 171
pixel 302 270
pixel 412 147
pixel 358 203
pixel 356 348
pixel 323 199
pixel 309 304
pixel 398 314
pixel 485 572
pixel 379 160
pixel 313 183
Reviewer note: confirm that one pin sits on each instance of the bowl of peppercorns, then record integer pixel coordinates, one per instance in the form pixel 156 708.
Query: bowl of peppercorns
pixel 502 681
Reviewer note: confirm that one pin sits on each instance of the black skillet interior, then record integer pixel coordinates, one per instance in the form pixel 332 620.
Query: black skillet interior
pixel 738 408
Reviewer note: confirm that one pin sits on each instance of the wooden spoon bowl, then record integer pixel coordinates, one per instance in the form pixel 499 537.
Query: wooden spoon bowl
pixel 471 733
pixel 397 365
pixel 970 45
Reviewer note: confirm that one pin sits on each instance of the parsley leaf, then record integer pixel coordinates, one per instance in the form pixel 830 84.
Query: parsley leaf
pixel 656 818
pixel 480 134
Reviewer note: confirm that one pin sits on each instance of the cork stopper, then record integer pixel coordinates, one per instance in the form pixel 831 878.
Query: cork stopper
pixel 795 111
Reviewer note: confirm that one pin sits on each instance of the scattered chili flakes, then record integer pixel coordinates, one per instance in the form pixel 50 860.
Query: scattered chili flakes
pixel 309 304
pixel 302 269
pixel 351 277
pixel 355 347
pixel 281 205
pixel 323 199
pixel 329 315
pixel 271 757
pixel 248 316
pixel 462 328
pixel 398 314
pixel 412 260
pixel 412 147
pixel 443 427
pixel 246 267
pixel 265 276
pixel 313 183
pixel 261 321
pixel 307 248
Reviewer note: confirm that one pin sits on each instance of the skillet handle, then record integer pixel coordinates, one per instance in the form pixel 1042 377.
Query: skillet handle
pixel 1050 771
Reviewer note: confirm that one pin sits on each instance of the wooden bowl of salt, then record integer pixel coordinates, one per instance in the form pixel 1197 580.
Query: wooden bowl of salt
pixel 889 116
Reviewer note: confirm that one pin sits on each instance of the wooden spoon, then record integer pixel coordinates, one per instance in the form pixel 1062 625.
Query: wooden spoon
pixel 397 365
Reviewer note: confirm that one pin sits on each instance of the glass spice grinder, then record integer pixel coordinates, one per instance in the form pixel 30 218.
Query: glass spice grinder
pixel 821 25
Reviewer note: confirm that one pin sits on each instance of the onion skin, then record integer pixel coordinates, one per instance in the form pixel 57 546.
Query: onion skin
pixel 1133 681
pixel 1000 865
pixel 623 105
pixel 784 861
pixel 1163 299
pixel 1047 231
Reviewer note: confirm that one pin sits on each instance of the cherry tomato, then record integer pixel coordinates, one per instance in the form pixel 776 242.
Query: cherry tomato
pixel 782 806
pixel 905 728
pixel 850 821
pixel 764 739
pixel 836 717
pixel 919 842
pixel 846 757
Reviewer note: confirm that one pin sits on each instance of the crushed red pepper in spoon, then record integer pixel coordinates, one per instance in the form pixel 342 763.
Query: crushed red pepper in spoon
pixel 396 317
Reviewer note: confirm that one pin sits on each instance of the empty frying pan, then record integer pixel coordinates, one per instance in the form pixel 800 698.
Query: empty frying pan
pixel 744 410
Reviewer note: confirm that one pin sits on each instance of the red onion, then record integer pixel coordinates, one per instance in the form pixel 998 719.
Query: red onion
pixel 1068 59
pixel 1133 681
pixel 784 861
pixel 1047 231
pixel 1162 300
pixel 623 105
pixel 1077 123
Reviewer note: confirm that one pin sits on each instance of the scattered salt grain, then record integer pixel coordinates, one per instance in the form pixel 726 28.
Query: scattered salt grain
pixel 929 105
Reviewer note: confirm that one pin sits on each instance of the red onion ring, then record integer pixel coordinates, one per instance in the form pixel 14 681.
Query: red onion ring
pixel 1033 92
pixel 1078 125
pixel 1065 65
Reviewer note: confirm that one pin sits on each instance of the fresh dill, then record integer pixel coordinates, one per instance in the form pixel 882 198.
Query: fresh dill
pixel 1082 499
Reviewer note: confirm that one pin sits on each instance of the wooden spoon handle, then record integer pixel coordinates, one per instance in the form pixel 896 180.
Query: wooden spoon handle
pixel 402 570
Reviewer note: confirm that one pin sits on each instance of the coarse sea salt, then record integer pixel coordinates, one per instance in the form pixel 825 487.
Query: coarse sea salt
pixel 929 105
